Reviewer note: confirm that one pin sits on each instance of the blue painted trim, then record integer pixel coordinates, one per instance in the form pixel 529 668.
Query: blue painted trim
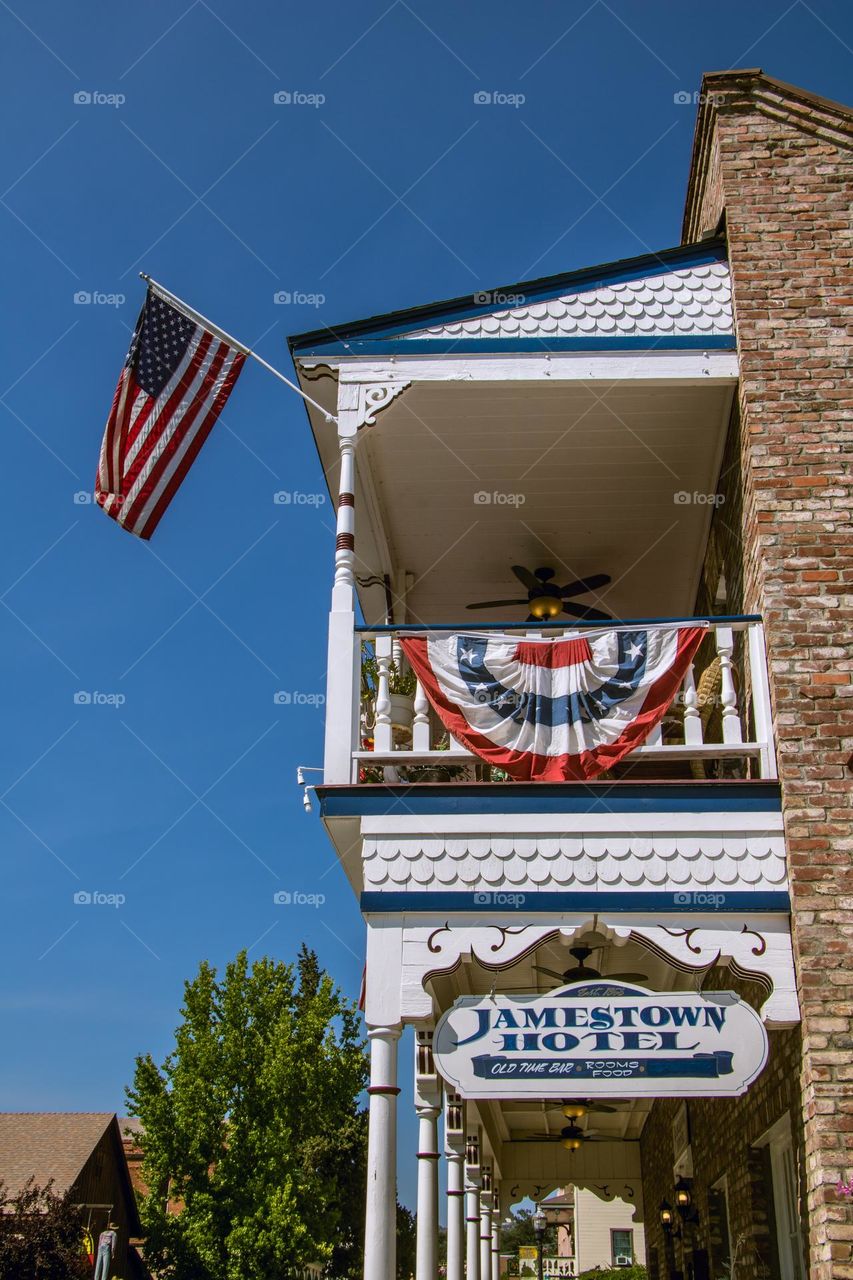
pixel 389 628
pixel 489 798
pixel 465 308
pixel 495 345
pixel 527 901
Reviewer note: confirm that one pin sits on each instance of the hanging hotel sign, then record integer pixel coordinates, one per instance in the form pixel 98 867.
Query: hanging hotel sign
pixel 601 1039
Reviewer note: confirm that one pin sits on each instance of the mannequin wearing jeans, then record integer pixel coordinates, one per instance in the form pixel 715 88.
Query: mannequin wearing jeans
pixel 106 1248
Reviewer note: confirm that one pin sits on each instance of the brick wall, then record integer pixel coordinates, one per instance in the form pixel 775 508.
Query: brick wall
pixel 723 1136
pixel 773 165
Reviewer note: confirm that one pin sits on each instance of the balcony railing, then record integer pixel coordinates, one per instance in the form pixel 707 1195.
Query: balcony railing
pixel 719 724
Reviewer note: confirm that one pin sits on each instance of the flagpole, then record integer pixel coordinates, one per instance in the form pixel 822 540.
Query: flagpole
pixel 192 314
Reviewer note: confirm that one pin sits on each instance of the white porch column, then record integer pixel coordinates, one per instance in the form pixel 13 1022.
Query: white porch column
pixel 427 1221
pixel 472 1209
pixel 486 1224
pixel 496 1238
pixel 343 664
pixel 427 1107
pixel 454 1146
pixel 380 1233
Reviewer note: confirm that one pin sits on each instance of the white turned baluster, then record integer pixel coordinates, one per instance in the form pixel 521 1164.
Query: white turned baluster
pixel 655 736
pixel 732 731
pixel 692 718
pixel 420 724
pixel 382 732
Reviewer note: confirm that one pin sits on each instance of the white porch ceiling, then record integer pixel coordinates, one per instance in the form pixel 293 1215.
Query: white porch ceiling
pixel 581 477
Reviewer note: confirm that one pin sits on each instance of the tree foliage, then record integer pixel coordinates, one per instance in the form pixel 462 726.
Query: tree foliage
pixel 252 1138
pixel 41 1235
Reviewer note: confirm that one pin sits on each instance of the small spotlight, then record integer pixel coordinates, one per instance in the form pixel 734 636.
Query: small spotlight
pixel 306 801
pixel 300 776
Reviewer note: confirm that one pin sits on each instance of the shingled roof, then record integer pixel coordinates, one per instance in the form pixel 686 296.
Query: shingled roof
pixel 48 1144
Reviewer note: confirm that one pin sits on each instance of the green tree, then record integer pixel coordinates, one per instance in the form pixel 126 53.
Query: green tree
pixel 41 1235
pixel 251 1133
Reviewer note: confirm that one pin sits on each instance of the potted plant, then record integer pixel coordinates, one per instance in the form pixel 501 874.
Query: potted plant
pixel 402 683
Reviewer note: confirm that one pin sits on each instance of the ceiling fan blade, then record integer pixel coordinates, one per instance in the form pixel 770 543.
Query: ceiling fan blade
pixel 552 973
pixel 585 584
pixel 625 977
pixel 493 604
pixel 524 575
pixel 586 612
pixel 582 1102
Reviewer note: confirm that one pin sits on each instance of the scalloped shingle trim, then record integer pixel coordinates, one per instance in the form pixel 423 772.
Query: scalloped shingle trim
pixel 695 300
pixel 754 860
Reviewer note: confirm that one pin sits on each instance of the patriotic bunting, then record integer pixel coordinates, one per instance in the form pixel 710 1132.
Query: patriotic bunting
pixel 553 710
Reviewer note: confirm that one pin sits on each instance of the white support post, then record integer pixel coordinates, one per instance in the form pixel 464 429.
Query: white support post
pixel 486 1226
pixel 426 1267
pixel 762 712
pixel 427 1108
pixel 496 1238
pixel 380 1231
pixel 344 659
pixel 732 731
pixel 472 1209
pixel 454 1146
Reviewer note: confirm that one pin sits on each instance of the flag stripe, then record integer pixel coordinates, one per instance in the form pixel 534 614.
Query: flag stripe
pixel 170 446
pixel 191 448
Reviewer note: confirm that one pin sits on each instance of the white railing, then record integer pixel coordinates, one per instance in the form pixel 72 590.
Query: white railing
pixel 722 712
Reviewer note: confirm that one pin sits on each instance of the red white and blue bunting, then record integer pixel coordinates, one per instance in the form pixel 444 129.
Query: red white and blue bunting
pixel 553 710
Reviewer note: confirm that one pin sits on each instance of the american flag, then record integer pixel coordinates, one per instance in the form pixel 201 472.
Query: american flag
pixel 173 387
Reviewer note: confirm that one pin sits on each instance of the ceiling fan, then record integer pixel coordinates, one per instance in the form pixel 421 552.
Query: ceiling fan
pixel 570 1136
pixel 571 1108
pixel 583 972
pixel 546 601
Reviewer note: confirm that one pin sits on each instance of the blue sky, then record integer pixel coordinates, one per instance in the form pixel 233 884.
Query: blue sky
pixel 390 185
